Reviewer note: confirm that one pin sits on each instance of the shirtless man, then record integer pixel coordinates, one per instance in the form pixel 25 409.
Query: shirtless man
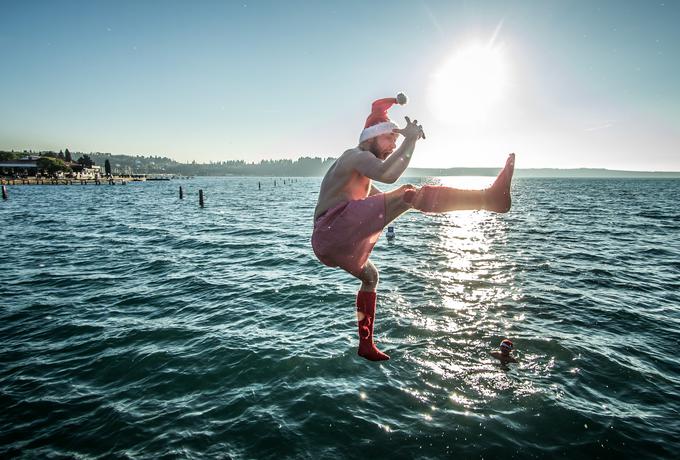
pixel 351 212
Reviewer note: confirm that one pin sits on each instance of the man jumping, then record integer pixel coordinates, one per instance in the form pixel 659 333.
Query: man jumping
pixel 351 212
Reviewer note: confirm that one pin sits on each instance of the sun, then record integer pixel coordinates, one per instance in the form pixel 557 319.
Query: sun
pixel 469 84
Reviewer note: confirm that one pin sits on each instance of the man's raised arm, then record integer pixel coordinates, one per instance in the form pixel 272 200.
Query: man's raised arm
pixel 389 170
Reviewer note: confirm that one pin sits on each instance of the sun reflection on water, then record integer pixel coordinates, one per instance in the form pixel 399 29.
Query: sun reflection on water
pixel 472 275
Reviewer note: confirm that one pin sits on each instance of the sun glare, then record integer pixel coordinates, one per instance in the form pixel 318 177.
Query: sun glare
pixel 468 85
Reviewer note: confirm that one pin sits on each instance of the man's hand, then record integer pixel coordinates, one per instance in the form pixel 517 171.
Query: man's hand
pixel 406 187
pixel 412 130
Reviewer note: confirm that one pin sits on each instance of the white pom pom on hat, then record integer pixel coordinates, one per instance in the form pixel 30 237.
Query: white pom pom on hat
pixel 378 122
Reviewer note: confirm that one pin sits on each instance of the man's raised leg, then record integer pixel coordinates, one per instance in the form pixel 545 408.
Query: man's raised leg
pixel 444 199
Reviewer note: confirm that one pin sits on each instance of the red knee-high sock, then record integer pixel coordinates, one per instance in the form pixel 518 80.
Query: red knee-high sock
pixel 435 198
pixel 366 304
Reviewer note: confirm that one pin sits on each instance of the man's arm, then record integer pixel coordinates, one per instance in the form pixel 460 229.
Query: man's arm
pixel 389 170
pixel 395 165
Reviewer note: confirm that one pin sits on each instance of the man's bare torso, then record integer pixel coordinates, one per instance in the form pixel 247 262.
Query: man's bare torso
pixel 342 183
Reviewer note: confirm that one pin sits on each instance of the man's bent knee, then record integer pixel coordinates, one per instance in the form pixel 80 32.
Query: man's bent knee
pixel 369 276
pixel 370 280
pixel 409 194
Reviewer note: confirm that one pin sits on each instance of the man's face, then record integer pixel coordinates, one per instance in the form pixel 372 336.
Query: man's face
pixel 384 145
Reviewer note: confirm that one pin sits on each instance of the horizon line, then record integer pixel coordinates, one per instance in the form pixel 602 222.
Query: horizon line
pixel 589 168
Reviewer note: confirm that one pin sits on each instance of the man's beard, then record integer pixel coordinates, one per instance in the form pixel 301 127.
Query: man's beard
pixel 374 149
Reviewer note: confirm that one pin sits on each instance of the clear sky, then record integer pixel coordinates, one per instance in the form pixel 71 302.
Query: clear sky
pixel 562 83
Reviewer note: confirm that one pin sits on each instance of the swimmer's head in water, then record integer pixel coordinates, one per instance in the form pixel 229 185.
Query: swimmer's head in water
pixel 381 146
pixel 506 346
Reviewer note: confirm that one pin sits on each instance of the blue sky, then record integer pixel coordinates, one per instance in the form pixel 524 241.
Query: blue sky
pixel 582 84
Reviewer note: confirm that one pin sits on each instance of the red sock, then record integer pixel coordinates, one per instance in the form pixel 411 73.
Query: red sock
pixel 367 349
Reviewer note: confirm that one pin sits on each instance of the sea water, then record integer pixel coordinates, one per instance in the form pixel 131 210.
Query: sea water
pixel 134 324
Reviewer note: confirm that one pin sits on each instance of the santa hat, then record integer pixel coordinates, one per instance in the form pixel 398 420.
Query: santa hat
pixel 378 122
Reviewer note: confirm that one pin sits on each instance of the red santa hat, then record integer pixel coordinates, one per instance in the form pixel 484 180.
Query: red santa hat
pixel 378 122
pixel 506 344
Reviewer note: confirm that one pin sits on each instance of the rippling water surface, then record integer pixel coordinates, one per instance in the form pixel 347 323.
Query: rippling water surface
pixel 136 325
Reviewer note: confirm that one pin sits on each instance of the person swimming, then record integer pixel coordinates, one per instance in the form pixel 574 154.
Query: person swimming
pixel 504 355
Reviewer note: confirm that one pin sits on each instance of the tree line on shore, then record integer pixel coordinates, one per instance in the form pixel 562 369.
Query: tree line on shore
pixel 139 164
pixel 50 162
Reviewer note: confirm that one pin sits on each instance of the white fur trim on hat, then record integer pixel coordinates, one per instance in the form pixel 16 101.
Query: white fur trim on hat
pixel 376 130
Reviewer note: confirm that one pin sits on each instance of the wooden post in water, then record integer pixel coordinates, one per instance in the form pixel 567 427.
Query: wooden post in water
pixel 259 186
pixel 4 193
pixel 200 198
pixel 181 193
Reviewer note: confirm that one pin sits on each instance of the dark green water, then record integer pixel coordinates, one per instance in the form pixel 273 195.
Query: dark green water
pixel 136 325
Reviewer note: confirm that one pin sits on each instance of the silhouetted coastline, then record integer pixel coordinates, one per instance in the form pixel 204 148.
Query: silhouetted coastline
pixel 311 167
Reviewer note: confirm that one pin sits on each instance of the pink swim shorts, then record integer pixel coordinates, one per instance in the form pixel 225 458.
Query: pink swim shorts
pixel 345 234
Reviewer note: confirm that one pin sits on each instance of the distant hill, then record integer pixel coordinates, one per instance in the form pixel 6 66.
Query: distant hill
pixel 311 166
pixel 128 164
pixel 139 164
pixel 316 166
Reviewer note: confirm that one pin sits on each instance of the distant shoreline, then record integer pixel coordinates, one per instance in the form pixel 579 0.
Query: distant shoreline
pixel 582 173
pixel 306 167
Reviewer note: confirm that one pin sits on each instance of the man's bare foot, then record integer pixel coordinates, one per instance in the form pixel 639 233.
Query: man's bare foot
pixel 497 197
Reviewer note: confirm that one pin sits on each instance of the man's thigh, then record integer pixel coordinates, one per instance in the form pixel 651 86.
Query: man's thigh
pixel 395 204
